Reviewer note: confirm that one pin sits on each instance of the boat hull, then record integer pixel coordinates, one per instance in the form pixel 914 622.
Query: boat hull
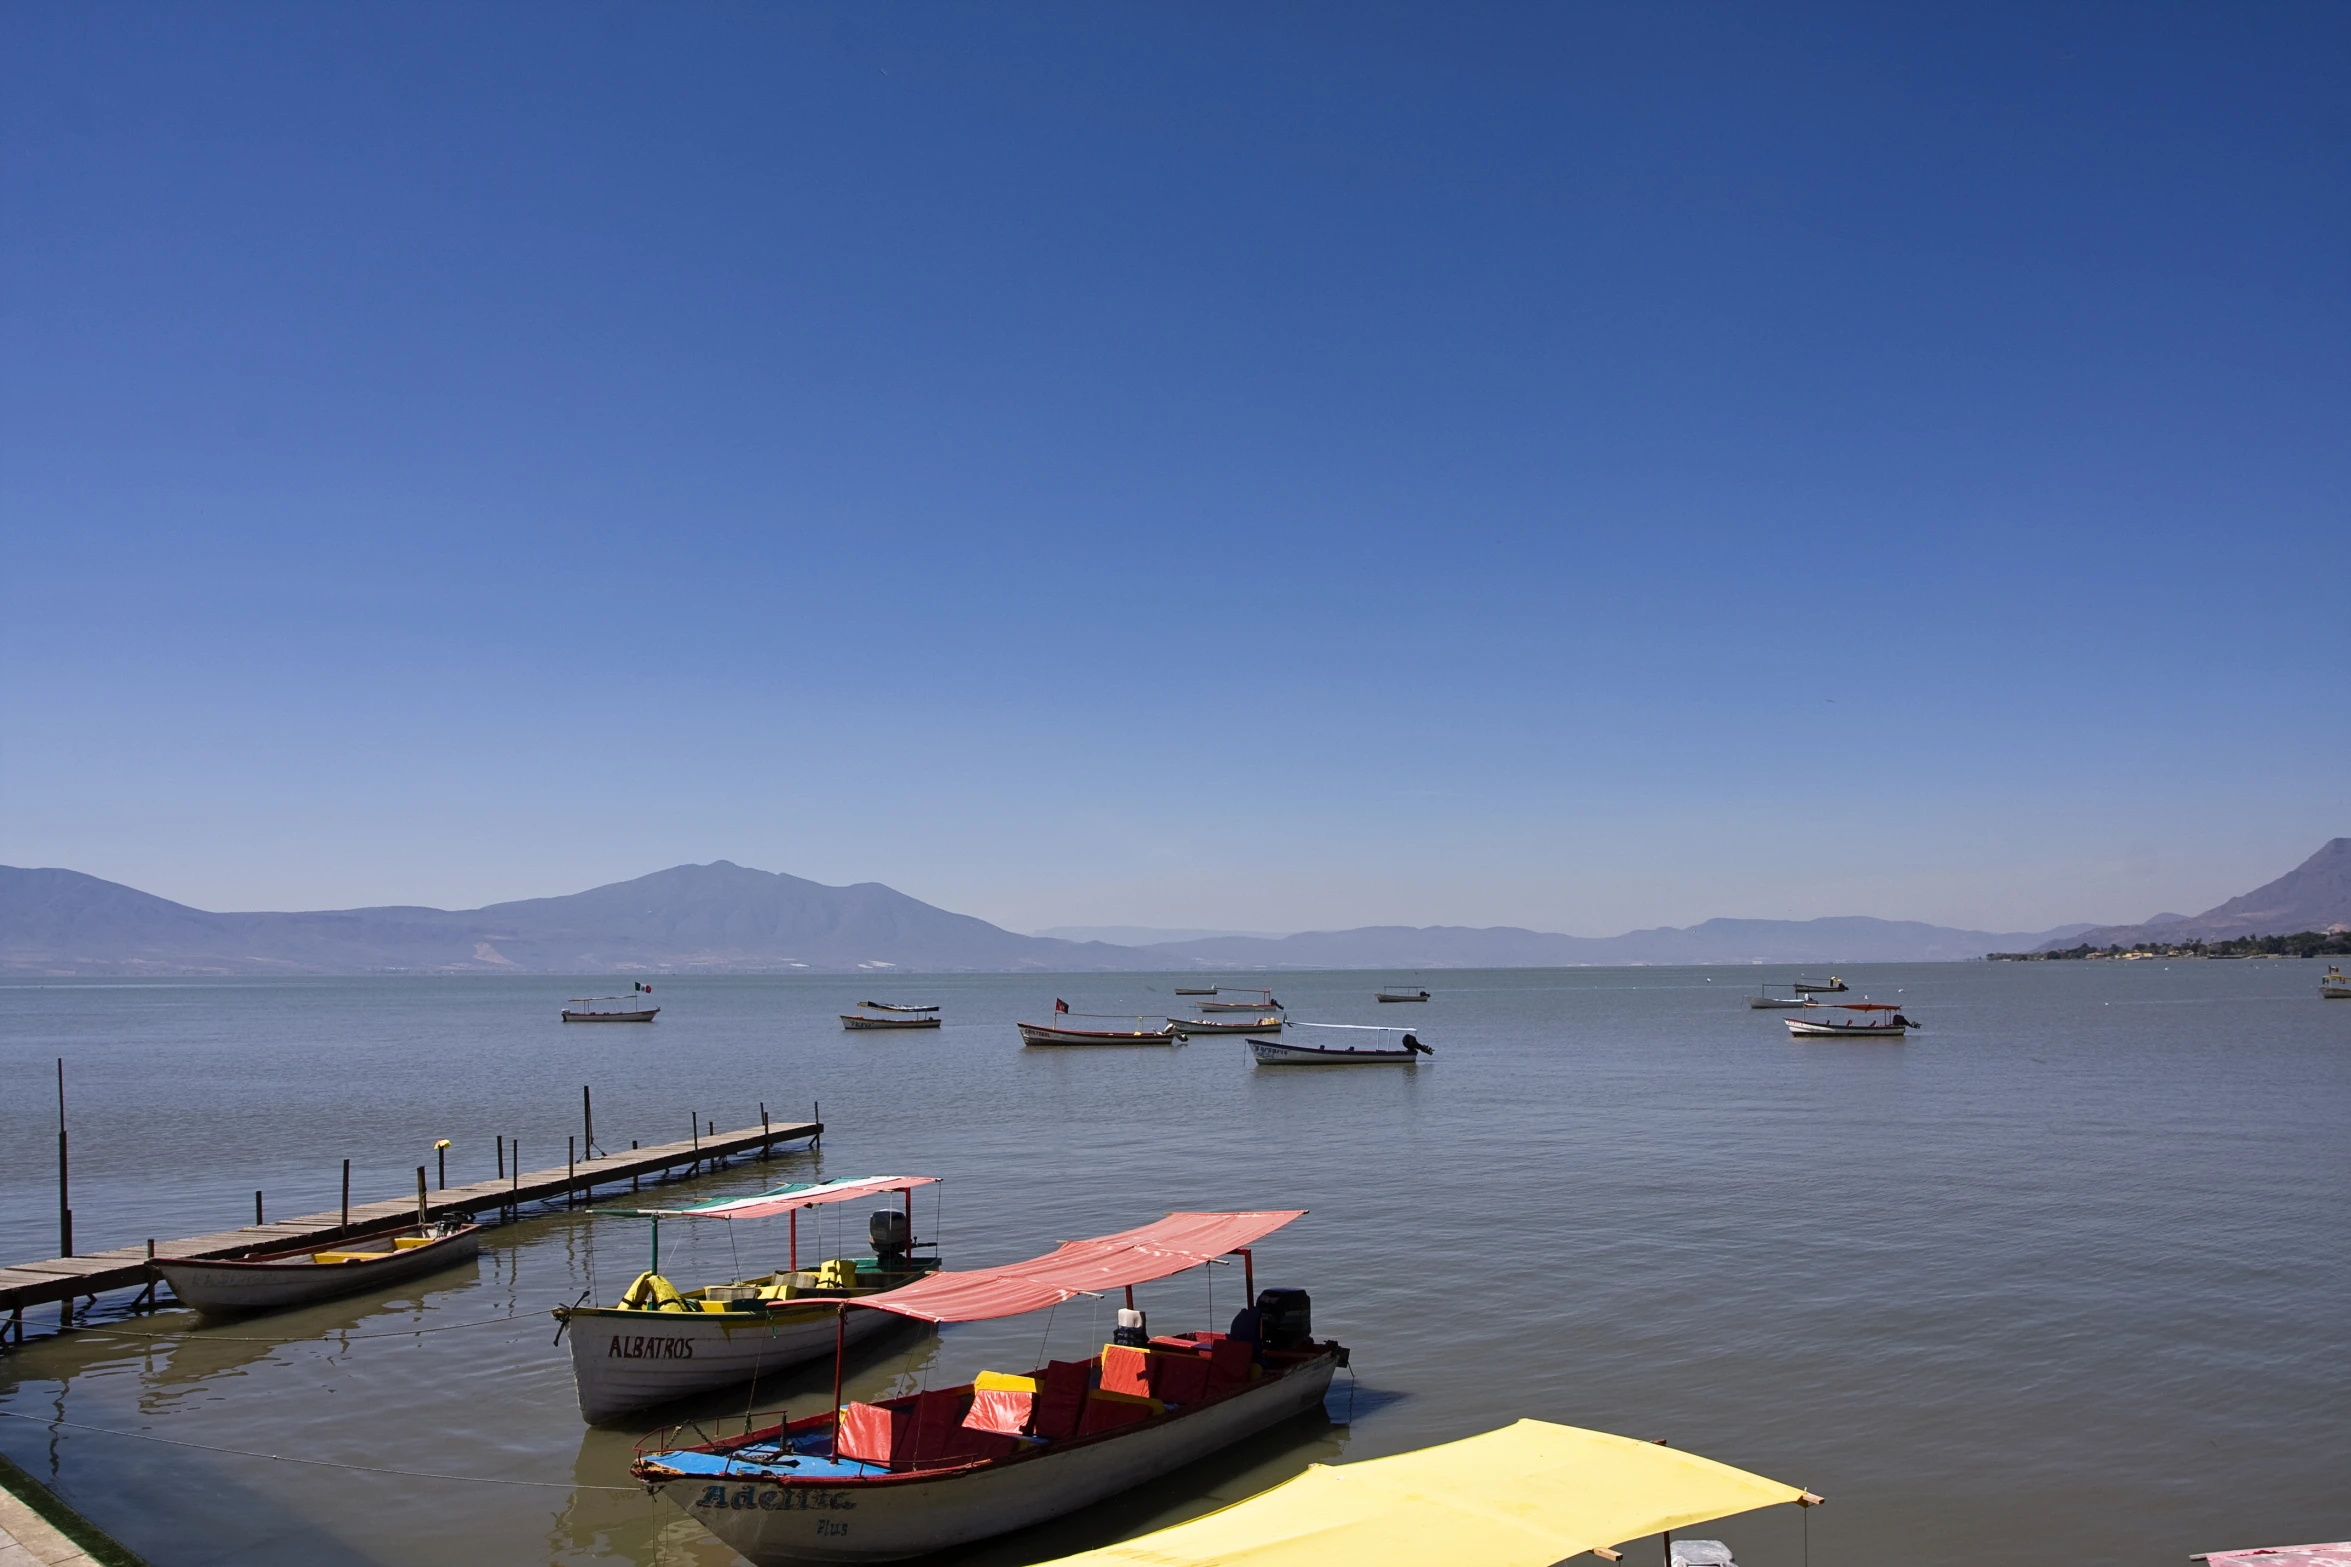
pixel 1384 996
pixel 1236 1006
pixel 1187 1026
pixel 629 1360
pixel 1775 1003
pixel 1275 1052
pixel 891 1519
pixel 645 1016
pixel 855 1023
pixel 1039 1034
pixel 1804 1030
pixel 239 1288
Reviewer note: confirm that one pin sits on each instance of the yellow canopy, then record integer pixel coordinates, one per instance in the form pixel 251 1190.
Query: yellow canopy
pixel 1528 1495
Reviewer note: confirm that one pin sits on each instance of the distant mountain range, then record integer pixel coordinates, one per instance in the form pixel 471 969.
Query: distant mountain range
pixel 2314 895
pixel 726 918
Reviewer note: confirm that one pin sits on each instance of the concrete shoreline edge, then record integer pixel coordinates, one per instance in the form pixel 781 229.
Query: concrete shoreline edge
pixel 36 1526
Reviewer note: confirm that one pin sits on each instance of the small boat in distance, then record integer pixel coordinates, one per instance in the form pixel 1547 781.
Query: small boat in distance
pixel 1268 1004
pixel 1182 990
pixel 1813 987
pixel 2333 986
pixel 1764 1000
pixel 852 1021
pixel 1186 1027
pixel 273 1280
pixel 892 1006
pixel 592 1009
pixel 1046 1034
pixel 1860 1020
pixel 1283 1052
pixel 1400 995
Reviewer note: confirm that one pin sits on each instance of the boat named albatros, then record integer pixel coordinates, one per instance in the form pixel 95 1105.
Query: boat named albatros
pixel 660 1343
pixel 927 1471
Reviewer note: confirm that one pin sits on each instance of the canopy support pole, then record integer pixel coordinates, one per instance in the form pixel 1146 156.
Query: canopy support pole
pixel 795 1240
pixel 1248 1277
pixel 840 1352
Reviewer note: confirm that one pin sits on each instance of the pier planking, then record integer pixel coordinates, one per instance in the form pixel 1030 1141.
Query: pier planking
pixel 62 1280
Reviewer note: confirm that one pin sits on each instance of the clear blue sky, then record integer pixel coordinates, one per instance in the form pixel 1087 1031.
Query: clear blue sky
pixel 1580 466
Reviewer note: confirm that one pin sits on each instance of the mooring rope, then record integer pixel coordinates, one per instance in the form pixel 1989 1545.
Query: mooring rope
pixel 321 1463
pixel 192 1336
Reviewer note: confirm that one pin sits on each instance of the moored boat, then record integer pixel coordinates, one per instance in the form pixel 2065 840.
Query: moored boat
pixel 1810 987
pixel 1764 1000
pixel 1046 1034
pixel 1193 990
pixel 274 1280
pixel 1861 1020
pixel 1264 1003
pixel 927 1471
pixel 892 1006
pixel 1290 1052
pixel 661 1343
pixel 851 1020
pixel 592 1009
pixel 1400 995
pixel 2333 986
pixel 1186 1027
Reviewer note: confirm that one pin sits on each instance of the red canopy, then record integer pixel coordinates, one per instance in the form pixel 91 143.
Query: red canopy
pixel 1074 1268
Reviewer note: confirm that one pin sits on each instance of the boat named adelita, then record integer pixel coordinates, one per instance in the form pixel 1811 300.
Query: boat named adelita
pixel 927 1471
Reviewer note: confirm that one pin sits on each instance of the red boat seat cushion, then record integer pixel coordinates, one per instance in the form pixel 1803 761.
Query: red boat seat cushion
pixel 1127 1370
pixel 1061 1399
pixel 995 1409
pixel 1180 1379
pixel 875 1435
pixel 1228 1365
pixel 1107 1412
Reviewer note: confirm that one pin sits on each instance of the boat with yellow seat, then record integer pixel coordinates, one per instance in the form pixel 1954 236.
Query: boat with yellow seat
pixel 274 1280
pixel 659 1343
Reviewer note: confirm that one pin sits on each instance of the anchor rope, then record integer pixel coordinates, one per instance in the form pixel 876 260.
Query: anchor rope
pixel 321 1463
pixel 308 1338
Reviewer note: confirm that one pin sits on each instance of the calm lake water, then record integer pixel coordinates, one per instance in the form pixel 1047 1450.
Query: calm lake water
pixel 2060 1279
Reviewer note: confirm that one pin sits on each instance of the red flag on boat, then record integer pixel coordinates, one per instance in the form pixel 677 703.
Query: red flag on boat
pixel 1060 1005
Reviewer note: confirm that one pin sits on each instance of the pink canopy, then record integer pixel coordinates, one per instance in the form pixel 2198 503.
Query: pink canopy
pixel 783 1199
pixel 1074 1268
pixel 2335 1555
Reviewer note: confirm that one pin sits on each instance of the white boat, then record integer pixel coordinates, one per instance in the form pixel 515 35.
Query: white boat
pixel 660 1343
pixel 1854 1020
pixel 932 1470
pixel 1400 995
pixel 851 1020
pixel 1764 1000
pixel 892 1006
pixel 1264 1003
pixel 273 1280
pixel 1047 1034
pixel 1183 990
pixel 1810 987
pixel 593 1009
pixel 1286 1052
pixel 2333 986
pixel 1186 1027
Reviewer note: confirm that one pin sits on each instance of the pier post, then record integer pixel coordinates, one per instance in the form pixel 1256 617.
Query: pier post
pixel 632 1174
pixel 64 1198
pixel 502 1156
pixel 257 1210
pixel 346 1194
pixel 514 1205
pixel 147 1295
pixel 571 1170
pixel 421 1203
pixel 441 1152
pixel 765 1147
pixel 587 1121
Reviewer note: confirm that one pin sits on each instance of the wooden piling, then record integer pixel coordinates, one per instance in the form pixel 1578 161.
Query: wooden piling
pixel 64 1190
pixel 346 1198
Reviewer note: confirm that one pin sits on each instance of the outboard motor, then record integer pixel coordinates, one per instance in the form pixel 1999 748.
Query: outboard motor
pixel 1285 1319
pixel 892 1240
pixel 1133 1329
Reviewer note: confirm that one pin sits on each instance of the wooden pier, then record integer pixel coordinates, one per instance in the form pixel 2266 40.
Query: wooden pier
pixel 64 1280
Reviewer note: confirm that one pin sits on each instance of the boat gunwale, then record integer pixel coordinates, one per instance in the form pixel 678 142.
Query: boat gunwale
pixel 281 1259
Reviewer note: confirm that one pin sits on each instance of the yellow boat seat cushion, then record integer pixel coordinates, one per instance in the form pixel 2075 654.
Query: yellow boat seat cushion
pixel 330 1258
pixel 1003 1382
pixel 652 1292
pixel 409 1242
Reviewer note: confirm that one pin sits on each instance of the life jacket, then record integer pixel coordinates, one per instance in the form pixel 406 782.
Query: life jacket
pixel 652 1292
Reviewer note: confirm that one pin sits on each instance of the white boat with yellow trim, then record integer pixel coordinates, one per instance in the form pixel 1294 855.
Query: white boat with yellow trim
pixel 660 1343
pixel 931 1470
pixel 2333 986
pixel 274 1280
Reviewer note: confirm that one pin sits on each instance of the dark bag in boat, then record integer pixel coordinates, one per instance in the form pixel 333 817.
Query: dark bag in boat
pixel 1285 1318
